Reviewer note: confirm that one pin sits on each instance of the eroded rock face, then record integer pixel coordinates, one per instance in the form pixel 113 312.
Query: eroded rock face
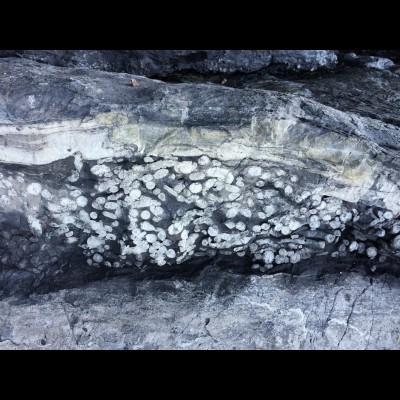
pixel 163 63
pixel 215 310
pixel 98 176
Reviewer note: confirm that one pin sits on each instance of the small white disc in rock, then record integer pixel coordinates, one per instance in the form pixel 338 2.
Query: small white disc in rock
pixel 74 193
pixel 245 212
pixel 81 201
pixel 161 173
pixel 240 226
pixel 175 228
pixel 253 247
pixel 266 175
pixel 161 235
pixel 185 167
pixel 268 257
pixel 34 189
pixel 372 252
pixel 288 190
pixel 293 225
pixel 201 203
pixel 150 185
pixel 231 212
pixel 97 258
pixel 99 170
pixel 145 214
pixel 239 181
pixel 212 231
pixel 134 194
pixel 230 224
pixel 203 160
pixel 147 178
pixel 388 215
pixel 100 200
pixel 170 253
pixel 46 194
pixel 265 226
pixel 151 238
pixel 146 226
pixel 195 187
pixel 254 171
pixel 196 176
pixel 280 172
pixel 353 246
pixel 285 230
pixel 295 258
pixel 161 196
pixel 111 205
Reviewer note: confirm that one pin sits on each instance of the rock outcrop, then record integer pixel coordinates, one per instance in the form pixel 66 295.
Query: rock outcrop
pixel 214 310
pixel 99 172
pixel 283 166
pixel 164 63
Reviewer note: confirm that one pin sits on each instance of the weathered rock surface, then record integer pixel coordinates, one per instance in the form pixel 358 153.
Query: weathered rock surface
pixel 216 310
pixel 163 63
pixel 106 174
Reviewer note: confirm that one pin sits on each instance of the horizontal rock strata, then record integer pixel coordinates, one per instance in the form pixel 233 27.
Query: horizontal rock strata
pixel 164 63
pixel 199 199
pixel 100 172
pixel 216 310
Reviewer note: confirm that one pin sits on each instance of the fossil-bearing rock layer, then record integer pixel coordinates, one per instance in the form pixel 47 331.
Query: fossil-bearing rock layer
pixel 260 161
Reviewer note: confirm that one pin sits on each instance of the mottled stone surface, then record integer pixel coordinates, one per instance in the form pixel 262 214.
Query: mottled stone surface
pixel 216 310
pixel 123 198
pixel 163 63
pixel 100 173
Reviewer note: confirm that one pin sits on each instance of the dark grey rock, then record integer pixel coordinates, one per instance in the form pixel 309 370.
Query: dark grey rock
pixel 216 310
pixel 125 199
pixel 368 61
pixel 163 63
pixel 368 92
pixel 153 177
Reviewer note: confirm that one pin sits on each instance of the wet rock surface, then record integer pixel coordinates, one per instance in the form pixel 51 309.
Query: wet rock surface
pixel 263 161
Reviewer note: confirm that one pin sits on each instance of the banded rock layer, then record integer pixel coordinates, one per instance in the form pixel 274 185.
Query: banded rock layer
pixel 99 176
pixel 164 63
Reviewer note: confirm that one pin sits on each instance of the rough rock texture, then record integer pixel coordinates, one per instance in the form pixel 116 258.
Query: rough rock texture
pixel 106 174
pixel 368 92
pixel 212 311
pixel 163 63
